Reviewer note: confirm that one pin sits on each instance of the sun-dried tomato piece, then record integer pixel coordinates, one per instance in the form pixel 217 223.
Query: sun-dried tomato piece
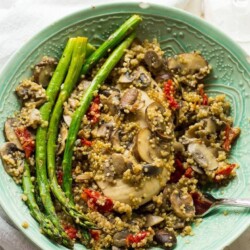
pixel 189 173
pixel 169 92
pixel 201 204
pixel 93 114
pixel 26 140
pixel 178 173
pixel 86 142
pixel 230 135
pixel 71 232
pixel 59 175
pixel 204 96
pixel 95 234
pixel 136 238
pixel 226 171
pixel 97 201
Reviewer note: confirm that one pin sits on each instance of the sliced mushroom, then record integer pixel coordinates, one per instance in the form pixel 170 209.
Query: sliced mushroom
pixel 211 126
pixel 149 207
pixel 73 103
pixel 165 239
pixel 83 85
pixel 129 99
pixel 152 220
pixel 109 91
pixel 111 98
pixel 115 139
pixel 182 204
pixel 105 130
pixel 109 172
pixel 29 117
pixel 119 238
pixel 202 129
pixel 10 132
pixel 63 134
pixel 115 166
pixel 193 129
pixel 167 191
pixel 84 177
pixel 126 78
pixel 12 159
pixel 8 148
pixel 178 147
pixel 143 78
pixel 34 118
pixel 139 115
pixel 197 169
pixel 152 60
pixel 143 149
pixel 151 170
pixel 188 64
pixel 179 225
pixel 31 93
pixel 145 146
pixel 115 248
pixel 124 192
pixel 119 138
pixel 156 119
pixel 163 76
pixel 44 70
pixel 203 156
pixel 119 164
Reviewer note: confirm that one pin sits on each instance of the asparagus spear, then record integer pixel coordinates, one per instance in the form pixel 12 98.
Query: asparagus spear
pixel 46 225
pixel 114 39
pixel 90 49
pixel 100 77
pixel 41 135
pixel 70 81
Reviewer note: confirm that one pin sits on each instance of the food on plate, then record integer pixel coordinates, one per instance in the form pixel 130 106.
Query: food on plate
pixel 113 144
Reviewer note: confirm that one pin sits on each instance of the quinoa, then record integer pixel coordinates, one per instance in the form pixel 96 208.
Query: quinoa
pixel 141 155
pixel 25 224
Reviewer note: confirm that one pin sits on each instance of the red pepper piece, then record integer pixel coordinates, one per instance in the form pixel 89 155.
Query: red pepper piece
pixel 189 173
pixel 169 92
pixel 227 170
pixel 59 177
pixel 204 97
pixel 95 234
pixel 226 145
pixel 178 173
pixel 136 238
pixel 97 201
pixel 86 142
pixel 71 232
pixel 26 140
pixel 93 113
pixel 230 135
pixel 200 203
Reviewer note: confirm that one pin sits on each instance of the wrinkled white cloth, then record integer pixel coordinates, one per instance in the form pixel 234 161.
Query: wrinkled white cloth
pixel 232 17
pixel 21 19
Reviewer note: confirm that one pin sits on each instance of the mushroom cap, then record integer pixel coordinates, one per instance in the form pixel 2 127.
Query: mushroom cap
pixel 182 204
pixel 10 133
pixel 203 156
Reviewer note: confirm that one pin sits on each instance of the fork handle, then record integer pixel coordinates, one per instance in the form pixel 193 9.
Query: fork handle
pixel 234 202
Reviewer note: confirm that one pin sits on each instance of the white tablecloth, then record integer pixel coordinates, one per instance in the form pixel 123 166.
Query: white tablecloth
pixel 21 19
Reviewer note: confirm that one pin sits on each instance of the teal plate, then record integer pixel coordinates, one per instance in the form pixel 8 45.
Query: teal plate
pixel 177 31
